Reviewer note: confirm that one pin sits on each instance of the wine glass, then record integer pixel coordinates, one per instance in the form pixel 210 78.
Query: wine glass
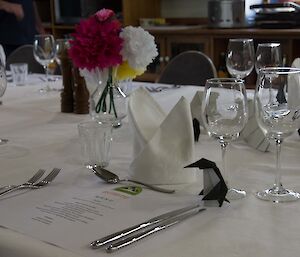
pixel 44 51
pixel 62 47
pixel 63 60
pixel 3 85
pixel 268 55
pixel 240 57
pixel 277 108
pixel 225 113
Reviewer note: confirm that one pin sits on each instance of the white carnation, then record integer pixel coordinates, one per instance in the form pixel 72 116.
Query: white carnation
pixel 139 48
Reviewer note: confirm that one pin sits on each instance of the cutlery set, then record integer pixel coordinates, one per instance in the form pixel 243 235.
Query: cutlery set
pixel 33 182
pixel 135 233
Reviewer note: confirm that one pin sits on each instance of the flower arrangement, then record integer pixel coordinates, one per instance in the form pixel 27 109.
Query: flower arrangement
pixel 106 52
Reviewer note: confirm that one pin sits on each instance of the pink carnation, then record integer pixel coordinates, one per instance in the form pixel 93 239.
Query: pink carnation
pixel 97 44
pixel 104 14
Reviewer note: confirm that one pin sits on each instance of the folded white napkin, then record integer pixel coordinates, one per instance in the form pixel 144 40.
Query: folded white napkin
pixel 163 144
pixel 252 133
pixel 2 55
pixel 294 89
pixel 196 108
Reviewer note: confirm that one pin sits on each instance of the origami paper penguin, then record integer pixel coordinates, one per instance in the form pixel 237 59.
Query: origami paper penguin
pixel 214 185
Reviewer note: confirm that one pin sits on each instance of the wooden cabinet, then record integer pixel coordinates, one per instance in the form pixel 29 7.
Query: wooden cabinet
pixel 172 40
pixel 288 39
pixel 132 11
pixel 170 44
pixel 177 44
pixel 214 41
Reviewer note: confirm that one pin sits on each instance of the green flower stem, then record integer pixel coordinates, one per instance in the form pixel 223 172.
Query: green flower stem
pixel 110 98
pixel 101 105
pixel 103 100
pixel 112 102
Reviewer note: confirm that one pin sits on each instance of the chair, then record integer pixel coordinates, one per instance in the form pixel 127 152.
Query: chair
pixel 25 54
pixel 188 68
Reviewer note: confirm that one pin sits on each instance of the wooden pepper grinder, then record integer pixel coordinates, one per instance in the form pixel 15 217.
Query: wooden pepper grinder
pixel 66 70
pixel 81 93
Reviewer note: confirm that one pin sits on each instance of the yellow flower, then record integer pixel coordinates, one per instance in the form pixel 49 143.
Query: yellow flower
pixel 124 71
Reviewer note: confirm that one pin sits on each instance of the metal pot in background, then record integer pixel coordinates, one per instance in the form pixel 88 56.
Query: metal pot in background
pixel 226 13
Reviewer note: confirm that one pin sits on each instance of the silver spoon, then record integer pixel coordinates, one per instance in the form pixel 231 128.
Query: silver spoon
pixel 112 178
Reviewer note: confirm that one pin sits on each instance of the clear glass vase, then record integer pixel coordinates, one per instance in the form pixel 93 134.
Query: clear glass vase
pixel 108 103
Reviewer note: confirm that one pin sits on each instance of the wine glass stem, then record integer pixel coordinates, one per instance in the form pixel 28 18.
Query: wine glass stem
pixel 278 164
pixel 225 174
pixel 46 72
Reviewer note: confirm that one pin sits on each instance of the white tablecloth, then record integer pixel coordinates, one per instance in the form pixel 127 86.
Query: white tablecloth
pixel 40 136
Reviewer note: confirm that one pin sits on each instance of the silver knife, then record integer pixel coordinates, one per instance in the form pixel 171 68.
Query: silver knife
pixel 165 224
pixel 120 234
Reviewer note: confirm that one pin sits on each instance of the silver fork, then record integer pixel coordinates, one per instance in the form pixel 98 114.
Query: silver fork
pixel 30 181
pixel 46 180
pixel 37 185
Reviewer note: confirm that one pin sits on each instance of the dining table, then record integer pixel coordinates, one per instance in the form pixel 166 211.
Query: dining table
pixel 62 218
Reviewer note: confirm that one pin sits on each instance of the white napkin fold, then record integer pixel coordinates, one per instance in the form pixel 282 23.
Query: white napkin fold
pixel 196 108
pixel 294 89
pixel 252 133
pixel 2 55
pixel 163 144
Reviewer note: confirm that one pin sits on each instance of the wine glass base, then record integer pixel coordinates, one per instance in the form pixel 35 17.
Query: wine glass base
pixel 235 194
pixel 117 124
pixel 278 195
pixel 3 141
pixel 45 90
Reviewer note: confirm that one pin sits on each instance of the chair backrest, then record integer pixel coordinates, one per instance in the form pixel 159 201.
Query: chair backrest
pixel 25 54
pixel 188 68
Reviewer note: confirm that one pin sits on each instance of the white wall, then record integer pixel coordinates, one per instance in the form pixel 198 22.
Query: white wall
pixel 184 8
